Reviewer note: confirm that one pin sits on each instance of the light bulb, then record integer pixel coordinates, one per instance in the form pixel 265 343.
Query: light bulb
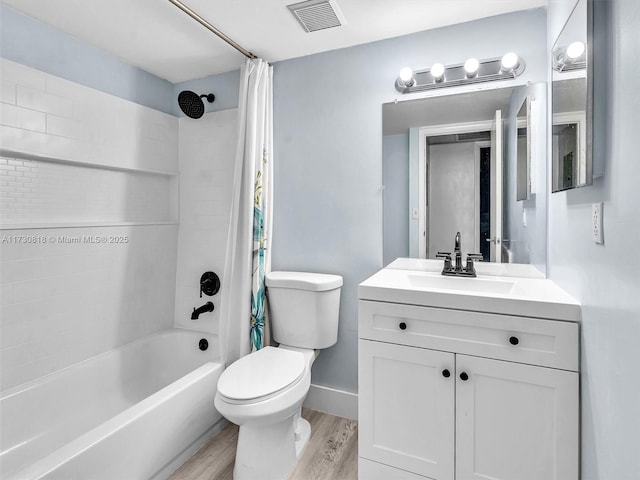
pixel 509 62
pixel 406 77
pixel 471 67
pixel 437 71
pixel 575 50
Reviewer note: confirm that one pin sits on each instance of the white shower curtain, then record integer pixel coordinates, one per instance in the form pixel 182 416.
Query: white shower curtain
pixel 249 236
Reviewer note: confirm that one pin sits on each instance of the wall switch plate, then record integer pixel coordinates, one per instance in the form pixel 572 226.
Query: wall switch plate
pixel 596 219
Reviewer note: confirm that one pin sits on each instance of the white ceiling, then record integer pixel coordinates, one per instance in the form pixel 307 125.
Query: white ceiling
pixel 155 36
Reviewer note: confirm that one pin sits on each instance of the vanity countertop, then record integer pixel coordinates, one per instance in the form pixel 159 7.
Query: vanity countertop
pixel 504 289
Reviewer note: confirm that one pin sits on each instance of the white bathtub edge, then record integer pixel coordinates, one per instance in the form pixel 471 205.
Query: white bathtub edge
pixel 83 443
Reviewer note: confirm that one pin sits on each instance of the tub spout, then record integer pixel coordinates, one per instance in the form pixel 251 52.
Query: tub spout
pixel 207 307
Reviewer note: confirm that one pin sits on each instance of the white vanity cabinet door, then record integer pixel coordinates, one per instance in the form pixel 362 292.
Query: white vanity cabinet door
pixel 406 408
pixel 369 470
pixel 515 422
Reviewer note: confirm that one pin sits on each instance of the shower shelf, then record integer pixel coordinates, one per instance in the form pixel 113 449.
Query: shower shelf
pixel 40 158
pixel 42 226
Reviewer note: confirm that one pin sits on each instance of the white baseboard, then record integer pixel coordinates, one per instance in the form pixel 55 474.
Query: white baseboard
pixel 330 400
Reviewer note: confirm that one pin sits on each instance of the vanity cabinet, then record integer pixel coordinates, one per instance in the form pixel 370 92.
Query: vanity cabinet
pixel 407 408
pixel 457 395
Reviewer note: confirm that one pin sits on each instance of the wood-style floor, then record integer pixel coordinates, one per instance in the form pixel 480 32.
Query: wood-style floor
pixel 331 454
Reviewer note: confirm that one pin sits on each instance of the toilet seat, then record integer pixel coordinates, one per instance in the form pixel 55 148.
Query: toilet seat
pixel 261 375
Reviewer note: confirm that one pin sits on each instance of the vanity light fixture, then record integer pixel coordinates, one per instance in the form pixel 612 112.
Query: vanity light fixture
pixel 473 70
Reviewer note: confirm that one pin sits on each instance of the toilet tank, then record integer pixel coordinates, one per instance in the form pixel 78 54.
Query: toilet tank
pixel 304 308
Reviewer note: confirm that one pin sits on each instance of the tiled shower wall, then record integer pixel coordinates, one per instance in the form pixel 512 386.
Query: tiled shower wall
pixel 100 173
pixel 207 152
pixel 46 115
pixel 44 192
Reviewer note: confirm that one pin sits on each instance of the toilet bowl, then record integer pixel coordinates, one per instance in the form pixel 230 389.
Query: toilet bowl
pixel 263 392
pixel 272 433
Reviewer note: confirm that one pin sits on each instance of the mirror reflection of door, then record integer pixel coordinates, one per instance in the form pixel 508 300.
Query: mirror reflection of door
pixel 463 171
pixel 495 242
pixel 568 147
pixel 454 180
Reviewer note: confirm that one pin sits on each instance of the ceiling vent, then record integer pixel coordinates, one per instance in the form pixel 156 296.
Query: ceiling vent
pixel 316 15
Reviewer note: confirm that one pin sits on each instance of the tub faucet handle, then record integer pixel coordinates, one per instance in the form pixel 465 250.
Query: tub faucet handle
pixel 209 284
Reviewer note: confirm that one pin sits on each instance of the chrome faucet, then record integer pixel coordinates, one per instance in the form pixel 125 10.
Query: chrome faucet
pixel 458 254
pixel 467 271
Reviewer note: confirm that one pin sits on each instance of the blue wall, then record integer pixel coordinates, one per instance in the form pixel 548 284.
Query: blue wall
pixel 32 43
pixel 328 151
pixel 604 278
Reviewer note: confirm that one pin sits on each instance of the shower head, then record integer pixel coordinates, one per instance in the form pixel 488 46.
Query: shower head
pixel 191 103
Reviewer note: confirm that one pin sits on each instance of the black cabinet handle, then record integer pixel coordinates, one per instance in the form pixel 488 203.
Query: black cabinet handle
pixel 464 377
pixel 446 373
pixel 403 326
pixel 514 340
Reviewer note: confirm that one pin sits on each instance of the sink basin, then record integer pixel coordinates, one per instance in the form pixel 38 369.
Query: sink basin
pixel 460 284
pixel 503 290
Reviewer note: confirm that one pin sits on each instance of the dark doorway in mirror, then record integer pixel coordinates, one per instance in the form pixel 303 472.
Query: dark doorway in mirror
pixel 485 202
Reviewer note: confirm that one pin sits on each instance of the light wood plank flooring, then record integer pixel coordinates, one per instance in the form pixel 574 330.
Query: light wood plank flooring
pixel 331 454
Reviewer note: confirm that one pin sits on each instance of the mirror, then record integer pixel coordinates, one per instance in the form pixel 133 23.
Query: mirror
pixel 523 151
pixel 450 163
pixel 572 164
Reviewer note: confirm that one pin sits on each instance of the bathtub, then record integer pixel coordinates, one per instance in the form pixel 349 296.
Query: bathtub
pixel 132 413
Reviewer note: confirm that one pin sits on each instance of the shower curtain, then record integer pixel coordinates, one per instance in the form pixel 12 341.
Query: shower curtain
pixel 242 320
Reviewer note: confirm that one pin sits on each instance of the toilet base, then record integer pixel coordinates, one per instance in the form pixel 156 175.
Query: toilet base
pixel 302 435
pixel 270 452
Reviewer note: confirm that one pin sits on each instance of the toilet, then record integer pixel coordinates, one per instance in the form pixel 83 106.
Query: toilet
pixel 263 391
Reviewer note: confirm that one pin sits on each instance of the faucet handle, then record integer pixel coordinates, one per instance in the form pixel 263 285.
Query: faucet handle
pixel 447 261
pixel 470 269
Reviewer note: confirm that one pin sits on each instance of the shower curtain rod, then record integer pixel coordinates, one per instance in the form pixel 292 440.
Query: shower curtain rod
pixel 211 28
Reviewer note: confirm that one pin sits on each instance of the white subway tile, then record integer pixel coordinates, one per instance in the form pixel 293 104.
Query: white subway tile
pixel 43 101
pixel 6 293
pixel 65 88
pixel 37 143
pixel 19 117
pixel 22 75
pixel 10 137
pixel 62 126
pixel 7 93
pixel 15 356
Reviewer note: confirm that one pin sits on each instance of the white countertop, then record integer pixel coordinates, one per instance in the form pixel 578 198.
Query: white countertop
pixel 419 282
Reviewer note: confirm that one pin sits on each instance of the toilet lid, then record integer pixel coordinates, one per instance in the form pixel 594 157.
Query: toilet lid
pixel 261 373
